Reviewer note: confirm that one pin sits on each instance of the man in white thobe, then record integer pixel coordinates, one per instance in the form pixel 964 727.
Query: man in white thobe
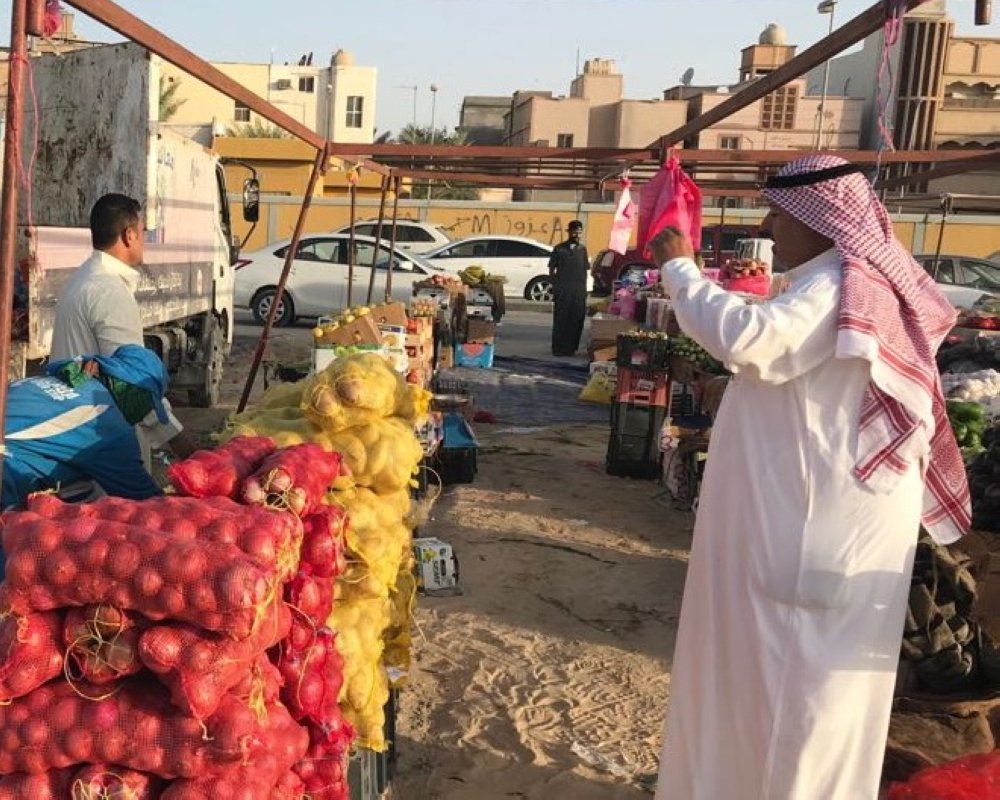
pixel 829 450
pixel 97 311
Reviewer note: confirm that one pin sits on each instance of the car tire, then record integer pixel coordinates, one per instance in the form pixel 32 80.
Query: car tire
pixel 539 290
pixel 261 307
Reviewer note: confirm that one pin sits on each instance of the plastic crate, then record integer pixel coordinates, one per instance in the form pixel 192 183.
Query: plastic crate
pixel 646 352
pixel 362 775
pixel 456 465
pixel 642 387
pixel 633 446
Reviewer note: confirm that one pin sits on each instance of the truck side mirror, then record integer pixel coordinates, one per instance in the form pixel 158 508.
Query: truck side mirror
pixel 251 200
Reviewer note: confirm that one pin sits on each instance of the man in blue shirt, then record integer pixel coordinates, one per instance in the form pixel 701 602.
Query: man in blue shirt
pixel 76 423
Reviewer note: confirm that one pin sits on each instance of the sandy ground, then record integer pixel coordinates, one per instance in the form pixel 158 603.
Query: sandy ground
pixel 549 673
pixel 547 676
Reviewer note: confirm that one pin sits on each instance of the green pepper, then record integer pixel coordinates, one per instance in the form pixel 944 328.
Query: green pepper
pixel 961 431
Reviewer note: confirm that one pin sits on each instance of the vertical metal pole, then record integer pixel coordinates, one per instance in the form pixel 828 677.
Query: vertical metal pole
pixel 378 241
pixel 826 83
pixel 319 167
pixel 35 24
pixel 434 97
pixel 392 237
pixel 353 191
pixel 8 205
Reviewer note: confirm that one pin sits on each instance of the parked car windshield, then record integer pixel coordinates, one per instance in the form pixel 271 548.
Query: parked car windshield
pixel 980 274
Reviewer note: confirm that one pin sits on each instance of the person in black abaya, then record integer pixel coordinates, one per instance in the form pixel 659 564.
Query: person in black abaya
pixel 568 268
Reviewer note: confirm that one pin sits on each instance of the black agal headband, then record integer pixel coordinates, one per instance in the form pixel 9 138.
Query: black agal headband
pixel 809 178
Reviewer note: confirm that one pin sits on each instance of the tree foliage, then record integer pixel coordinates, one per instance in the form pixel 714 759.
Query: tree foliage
pixel 440 190
pixel 169 102
pixel 258 128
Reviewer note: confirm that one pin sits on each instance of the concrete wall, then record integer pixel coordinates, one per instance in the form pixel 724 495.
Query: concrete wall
pixel 546 222
pixel 352 81
pixel 643 121
pixel 552 116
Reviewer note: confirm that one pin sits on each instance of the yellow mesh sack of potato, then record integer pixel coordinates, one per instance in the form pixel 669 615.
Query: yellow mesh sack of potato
pixel 352 390
pixel 286 426
pixel 381 455
pixel 360 624
pixel 398 638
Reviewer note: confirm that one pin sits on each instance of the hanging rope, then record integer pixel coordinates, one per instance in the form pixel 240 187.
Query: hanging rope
pixel 893 27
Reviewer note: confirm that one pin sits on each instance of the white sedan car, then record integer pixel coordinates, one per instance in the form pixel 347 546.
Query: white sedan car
pixel 411 235
pixel 523 262
pixel 317 282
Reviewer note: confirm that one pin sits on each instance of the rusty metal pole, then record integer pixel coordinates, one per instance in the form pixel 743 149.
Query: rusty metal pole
pixel 352 247
pixel 8 204
pixel 378 241
pixel 319 167
pixel 392 237
pixel 35 22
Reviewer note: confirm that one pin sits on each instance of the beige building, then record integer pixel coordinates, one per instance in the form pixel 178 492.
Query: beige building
pixel 595 114
pixel 945 91
pixel 336 101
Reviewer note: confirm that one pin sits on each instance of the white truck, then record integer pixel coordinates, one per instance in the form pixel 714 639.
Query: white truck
pixel 92 128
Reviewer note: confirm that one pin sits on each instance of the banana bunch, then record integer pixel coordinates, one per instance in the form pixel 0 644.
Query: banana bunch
pixel 473 276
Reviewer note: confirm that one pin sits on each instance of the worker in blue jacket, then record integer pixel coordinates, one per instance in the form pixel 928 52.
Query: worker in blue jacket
pixel 76 423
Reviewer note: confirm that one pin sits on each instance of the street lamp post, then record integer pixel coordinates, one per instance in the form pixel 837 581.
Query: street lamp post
pixel 825 7
pixel 434 95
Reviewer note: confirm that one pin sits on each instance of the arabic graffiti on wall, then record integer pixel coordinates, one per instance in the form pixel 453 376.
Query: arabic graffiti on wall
pixel 542 228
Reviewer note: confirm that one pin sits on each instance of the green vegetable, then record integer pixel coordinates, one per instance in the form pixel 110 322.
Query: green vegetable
pixel 960 411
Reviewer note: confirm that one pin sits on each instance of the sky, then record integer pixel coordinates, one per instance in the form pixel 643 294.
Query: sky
pixel 479 47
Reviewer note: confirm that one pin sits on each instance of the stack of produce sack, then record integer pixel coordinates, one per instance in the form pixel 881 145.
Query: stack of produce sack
pixel 136 638
pixel 359 407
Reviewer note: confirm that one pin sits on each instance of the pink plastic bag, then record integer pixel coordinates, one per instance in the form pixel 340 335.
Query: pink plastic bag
pixel 624 221
pixel 670 198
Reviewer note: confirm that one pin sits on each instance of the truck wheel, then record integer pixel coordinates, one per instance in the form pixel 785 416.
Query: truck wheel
pixel 207 395
pixel 261 307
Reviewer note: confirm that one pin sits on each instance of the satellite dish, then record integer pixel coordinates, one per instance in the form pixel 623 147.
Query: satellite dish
pixel 687 77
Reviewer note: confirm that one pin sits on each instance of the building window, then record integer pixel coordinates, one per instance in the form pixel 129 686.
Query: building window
pixel 307 85
pixel 729 142
pixel 355 106
pixel 564 140
pixel 241 113
pixel 778 109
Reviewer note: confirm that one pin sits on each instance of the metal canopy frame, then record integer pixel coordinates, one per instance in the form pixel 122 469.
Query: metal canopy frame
pixel 543 168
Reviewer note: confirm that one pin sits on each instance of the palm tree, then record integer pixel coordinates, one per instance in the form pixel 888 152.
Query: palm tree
pixel 169 102
pixel 443 189
pixel 258 129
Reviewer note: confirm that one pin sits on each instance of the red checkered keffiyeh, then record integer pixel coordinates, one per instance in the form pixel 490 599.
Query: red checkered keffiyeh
pixel 893 316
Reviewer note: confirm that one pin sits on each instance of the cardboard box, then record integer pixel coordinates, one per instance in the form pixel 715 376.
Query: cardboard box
pixel 390 314
pixel 362 331
pixel 445 358
pixel 322 357
pixel 436 566
pixel 604 332
pixel 474 355
pixel 605 354
pixel 480 331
